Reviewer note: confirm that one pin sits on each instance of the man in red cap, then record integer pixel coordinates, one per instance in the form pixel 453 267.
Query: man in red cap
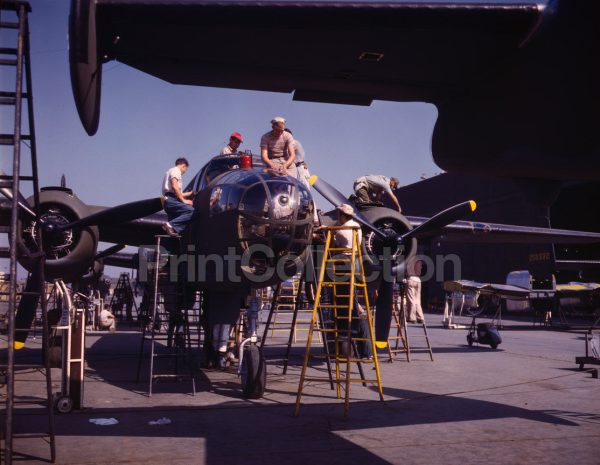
pixel 234 142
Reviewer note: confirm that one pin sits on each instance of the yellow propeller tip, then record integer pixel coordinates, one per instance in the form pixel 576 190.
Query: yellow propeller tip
pixel 313 179
pixel 381 344
pixel 473 205
pixel 18 345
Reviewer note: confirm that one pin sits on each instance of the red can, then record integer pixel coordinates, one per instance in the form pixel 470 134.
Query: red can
pixel 246 161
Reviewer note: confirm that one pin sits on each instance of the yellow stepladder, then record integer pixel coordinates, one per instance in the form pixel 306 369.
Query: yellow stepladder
pixel 344 282
pixel 283 305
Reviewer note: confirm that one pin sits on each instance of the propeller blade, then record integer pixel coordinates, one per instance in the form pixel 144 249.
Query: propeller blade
pixel 450 215
pixel 26 310
pixel 108 252
pixel 336 198
pixel 383 316
pixel 21 201
pixel 118 214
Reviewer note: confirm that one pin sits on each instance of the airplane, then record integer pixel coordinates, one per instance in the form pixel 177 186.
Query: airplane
pixel 394 51
pixel 244 206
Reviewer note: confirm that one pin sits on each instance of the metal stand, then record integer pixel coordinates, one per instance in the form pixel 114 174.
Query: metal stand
pixel 169 324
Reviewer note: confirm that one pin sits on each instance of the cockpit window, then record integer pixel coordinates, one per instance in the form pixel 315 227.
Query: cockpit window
pixel 221 165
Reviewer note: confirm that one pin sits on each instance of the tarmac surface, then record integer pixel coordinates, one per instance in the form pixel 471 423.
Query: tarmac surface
pixel 526 402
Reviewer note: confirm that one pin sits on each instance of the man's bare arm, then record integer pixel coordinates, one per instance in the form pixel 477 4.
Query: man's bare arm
pixel 264 154
pixel 180 195
pixel 292 156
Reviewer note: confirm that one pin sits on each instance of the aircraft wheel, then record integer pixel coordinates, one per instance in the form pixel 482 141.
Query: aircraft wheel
pixel 64 404
pixel 494 346
pixel 253 373
pixel 469 340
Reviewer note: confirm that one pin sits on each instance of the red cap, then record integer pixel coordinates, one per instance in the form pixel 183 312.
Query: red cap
pixel 237 136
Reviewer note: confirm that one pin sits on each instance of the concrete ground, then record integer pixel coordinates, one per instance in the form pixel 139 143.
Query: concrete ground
pixel 525 402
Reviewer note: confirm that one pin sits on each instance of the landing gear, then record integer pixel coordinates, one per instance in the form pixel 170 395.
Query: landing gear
pixel 252 368
pixel 253 373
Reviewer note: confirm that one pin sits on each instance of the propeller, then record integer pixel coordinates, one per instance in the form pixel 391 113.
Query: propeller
pixel 444 218
pixel 21 201
pixel 119 214
pixel 386 285
pixel 110 251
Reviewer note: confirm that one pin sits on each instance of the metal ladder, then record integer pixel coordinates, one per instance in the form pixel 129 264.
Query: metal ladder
pixel 345 282
pixel 297 319
pixel 19 59
pixel 403 328
pixel 398 323
pixel 171 325
pixel 123 297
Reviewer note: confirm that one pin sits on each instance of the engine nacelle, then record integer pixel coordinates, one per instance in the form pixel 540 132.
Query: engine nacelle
pixel 386 219
pixel 69 253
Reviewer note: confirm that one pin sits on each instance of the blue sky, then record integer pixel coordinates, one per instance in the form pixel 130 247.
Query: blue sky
pixel 146 123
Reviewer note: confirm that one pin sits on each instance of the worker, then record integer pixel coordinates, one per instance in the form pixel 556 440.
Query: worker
pixel 343 239
pixel 369 190
pixel 177 204
pixel 300 161
pixel 414 310
pixel 277 149
pixel 235 139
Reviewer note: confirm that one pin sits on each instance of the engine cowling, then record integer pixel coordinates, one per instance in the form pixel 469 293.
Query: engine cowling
pixel 69 253
pixel 386 219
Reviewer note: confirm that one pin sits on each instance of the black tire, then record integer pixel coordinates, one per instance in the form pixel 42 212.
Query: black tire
pixel 494 346
pixel 64 404
pixel 469 340
pixel 253 373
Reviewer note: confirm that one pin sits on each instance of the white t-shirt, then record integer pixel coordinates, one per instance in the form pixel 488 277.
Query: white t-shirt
pixel 374 182
pixel 173 173
pixel 343 237
pixel 227 150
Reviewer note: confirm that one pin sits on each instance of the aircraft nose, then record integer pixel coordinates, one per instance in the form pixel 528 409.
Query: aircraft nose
pixel 277 213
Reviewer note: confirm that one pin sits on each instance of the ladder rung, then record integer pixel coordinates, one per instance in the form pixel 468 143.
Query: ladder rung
pixel 21 178
pixel 9 25
pixel 7 100
pixel 5 62
pixel 9 139
pixel 8 51
pixel 4 93
pixel 338 283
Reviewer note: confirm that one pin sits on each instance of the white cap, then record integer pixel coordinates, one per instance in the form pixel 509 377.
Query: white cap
pixel 278 119
pixel 346 209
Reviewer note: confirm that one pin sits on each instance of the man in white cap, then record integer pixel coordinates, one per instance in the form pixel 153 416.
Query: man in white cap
pixel 360 326
pixel 343 237
pixel 277 148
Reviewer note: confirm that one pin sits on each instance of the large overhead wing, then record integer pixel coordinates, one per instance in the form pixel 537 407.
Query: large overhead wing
pixel 329 51
pixel 512 81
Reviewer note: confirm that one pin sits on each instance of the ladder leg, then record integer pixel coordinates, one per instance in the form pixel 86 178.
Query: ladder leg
pixel 292 336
